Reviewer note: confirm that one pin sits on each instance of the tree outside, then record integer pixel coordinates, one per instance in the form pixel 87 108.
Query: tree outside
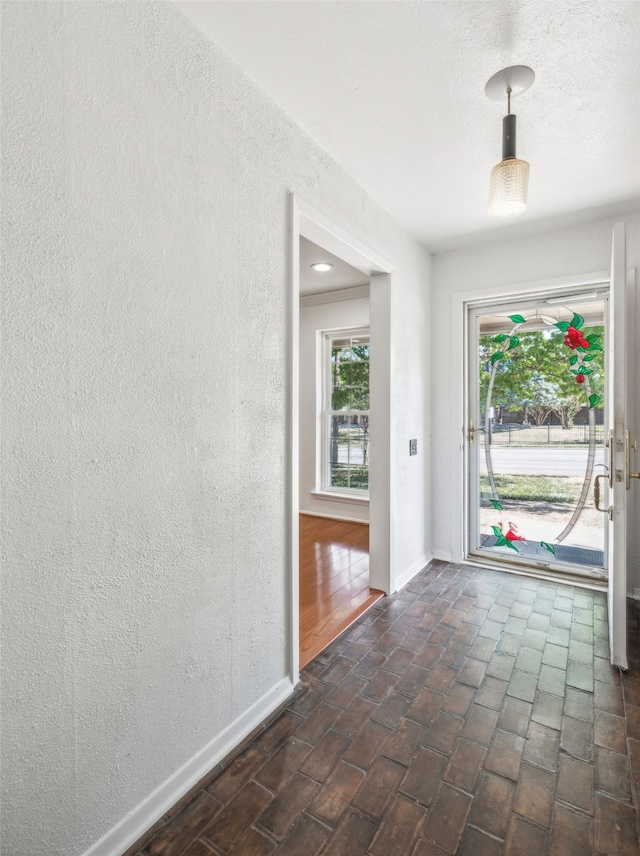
pixel 535 377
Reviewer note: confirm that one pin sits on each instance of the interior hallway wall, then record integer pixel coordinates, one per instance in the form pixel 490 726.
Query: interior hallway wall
pixel 146 329
pixel 566 252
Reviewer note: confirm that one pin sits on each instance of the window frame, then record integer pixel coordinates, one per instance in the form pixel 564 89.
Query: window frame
pixel 325 488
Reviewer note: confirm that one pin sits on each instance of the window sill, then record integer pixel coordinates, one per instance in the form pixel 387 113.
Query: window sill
pixel 354 499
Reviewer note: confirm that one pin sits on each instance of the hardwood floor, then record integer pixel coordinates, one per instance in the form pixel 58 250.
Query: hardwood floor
pixel 334 581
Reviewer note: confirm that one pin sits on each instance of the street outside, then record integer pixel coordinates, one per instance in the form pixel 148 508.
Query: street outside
pixel 551 461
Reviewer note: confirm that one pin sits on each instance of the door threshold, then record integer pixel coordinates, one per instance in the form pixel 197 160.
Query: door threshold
pixel 552 576
pixel 314 643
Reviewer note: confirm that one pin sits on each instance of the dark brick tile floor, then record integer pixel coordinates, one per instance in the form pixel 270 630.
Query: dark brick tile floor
pixel 473 713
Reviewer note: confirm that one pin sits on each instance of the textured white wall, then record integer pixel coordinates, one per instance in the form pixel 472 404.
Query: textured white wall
pixel 569 252
pixel 326 316
pixel 145 222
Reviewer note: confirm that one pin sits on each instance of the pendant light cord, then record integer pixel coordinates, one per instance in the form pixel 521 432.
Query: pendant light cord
pixel 508 100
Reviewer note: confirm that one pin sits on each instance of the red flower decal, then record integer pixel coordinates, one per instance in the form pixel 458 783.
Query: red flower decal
pixel 512 534
pixel 580 378
pixel 506 540
pixel 574 338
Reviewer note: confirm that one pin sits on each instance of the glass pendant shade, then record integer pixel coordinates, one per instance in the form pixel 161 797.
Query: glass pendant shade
pixel 508 187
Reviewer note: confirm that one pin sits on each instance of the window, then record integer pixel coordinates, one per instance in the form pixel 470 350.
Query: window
pixel 345 416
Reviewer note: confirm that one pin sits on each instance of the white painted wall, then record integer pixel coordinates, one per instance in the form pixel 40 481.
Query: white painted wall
pixel 569 252
pixel 145 225
pixel 326 316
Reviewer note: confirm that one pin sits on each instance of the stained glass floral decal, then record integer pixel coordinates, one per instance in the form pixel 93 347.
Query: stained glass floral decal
pixel 507 539
pixel 585 346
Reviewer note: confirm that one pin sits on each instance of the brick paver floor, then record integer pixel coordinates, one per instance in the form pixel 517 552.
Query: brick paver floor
pixel 473 713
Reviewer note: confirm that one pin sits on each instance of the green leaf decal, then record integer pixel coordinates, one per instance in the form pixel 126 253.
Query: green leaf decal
pixel 513 343
pixel 496 530
pixel 548 547
pixel 497 505
pixel 594 400
pixel 573 360
pixel 517 319
pixel 497 356
pixel 588 357
pixel 501 542
pixel 587 371
pixel 500 337
pixel 595 347
pixel 512 545
pixel 563 325
pixel 592 337
pixel 577 321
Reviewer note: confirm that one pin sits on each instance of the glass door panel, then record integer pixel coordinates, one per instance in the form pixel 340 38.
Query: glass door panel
pixel 536 432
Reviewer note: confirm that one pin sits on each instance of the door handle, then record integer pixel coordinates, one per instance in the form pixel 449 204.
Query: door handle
pixel 630 446
pixel 596 496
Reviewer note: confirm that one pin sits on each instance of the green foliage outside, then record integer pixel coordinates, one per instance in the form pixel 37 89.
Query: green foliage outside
pixel 535 375
pixel 350 377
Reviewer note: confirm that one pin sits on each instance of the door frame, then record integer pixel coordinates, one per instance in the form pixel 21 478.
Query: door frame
pixel 310 223
pixel 460 406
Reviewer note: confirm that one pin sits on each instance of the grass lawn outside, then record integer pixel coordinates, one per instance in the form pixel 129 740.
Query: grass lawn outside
pixel 565 489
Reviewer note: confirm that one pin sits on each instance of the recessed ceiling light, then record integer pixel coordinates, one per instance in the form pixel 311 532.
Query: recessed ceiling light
pixel 321 267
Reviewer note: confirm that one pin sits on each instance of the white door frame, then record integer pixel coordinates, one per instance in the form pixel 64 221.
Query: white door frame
pixel 309 223
pixel 460 414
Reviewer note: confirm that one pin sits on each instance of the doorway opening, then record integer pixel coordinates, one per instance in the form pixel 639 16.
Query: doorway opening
pixel 334 443
pixel 340 433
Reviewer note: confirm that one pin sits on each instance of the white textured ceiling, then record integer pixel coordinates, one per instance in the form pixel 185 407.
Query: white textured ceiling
pixel 394 91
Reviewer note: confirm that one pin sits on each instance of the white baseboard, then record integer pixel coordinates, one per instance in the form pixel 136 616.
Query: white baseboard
pixel 125 833
pixel 442 556
pixel 407 575
pixel 334 517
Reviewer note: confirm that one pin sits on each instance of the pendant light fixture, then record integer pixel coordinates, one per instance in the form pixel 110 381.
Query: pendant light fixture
pixel 510 178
